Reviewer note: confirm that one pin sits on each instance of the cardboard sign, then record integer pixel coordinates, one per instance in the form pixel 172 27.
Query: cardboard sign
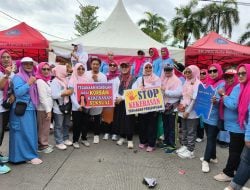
pixel 143 101
pixel 203 104
pixel 95 95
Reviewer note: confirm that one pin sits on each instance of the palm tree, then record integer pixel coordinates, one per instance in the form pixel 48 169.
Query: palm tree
pixel 245 36
pixel 154 26
pixel 187 23
pixel 221 16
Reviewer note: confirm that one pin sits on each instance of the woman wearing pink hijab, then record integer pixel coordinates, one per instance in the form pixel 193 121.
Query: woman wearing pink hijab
pixel 6 76
pixel 189 119
pixel 156 61
pixel 44 108
pixel 243 171
pixel 148 121
pixel 215 80
pixel 61 94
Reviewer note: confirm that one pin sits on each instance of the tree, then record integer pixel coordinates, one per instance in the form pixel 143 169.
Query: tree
pixel 86 21
pixel 221 16
pixel 187 23
pixel 246 36
pixel 154 26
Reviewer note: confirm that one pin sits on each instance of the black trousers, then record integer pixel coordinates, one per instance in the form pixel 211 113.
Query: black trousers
pixel 200 131
pixel 148 128
pixel 236 146
pixel 80 124
pixel 95 123
pixel 4 119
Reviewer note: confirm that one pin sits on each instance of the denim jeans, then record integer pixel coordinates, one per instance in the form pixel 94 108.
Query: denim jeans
pixel 212 132
pixel 61 129
pixel 169 127
pixel 243 172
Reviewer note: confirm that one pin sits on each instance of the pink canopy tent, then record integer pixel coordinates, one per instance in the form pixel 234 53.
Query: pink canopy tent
pixel 23 40
pixel 213 48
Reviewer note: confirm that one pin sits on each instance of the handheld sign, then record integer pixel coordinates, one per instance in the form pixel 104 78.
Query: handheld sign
pixel 203 104
pixel 95 95
pixel 143 100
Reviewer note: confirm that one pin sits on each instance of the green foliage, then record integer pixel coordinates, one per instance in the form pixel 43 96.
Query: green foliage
pixel 154 26
pixel 86 21
pixel 220 16
pixel 187 23
pixel 246 36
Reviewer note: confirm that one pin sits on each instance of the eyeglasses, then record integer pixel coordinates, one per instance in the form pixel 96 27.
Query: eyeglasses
pixel 110 55
pixel 241 74
pixel 148 67
pixel 212 71
pixel 28 63
pixel 124 66
pixel 45 69
pixel 203 73
pixel 112 65
pixel 80 68
pixel 187 72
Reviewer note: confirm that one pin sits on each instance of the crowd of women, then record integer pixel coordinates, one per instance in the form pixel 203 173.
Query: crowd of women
pixel 32 96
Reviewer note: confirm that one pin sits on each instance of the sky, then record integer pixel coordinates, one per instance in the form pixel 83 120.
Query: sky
pixel 57 17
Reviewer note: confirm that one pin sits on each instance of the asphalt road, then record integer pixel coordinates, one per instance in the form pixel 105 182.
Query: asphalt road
pixel 110 167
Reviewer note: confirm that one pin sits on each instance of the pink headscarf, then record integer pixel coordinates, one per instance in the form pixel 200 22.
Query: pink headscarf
pixel 218 80
pixel 204 81
pixel 190 85
pixel 39 74
pixel 155 55
pixel 228 90
pixel 33 88
pixel 244 97
pixel 149 79
pixel 138 63
pixel 111 75
pixel 2 69
pixel 167 53
pixel 60 73
pixel 75 78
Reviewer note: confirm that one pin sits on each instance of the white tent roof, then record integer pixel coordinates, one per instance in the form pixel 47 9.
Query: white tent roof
pixel 119 35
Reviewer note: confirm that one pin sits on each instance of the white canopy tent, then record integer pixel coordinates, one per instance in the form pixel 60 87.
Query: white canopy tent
pixel 119 35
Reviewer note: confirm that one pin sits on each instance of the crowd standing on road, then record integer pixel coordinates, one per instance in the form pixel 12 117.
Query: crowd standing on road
pixel 32 96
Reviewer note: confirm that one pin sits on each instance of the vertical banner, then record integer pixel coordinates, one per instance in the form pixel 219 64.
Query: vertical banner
pixel 203 104
pixel 143 100
pixel 95 95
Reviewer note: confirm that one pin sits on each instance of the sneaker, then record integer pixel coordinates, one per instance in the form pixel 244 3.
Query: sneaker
pixel 114 138
pixel 120 141
pixel 85 143
pixel 68 142
pixel 205 167
pixel 4 169
pixel 150 149
pixel 35 161
pixel 222 177
pixel 186 154
pixel 4 159
pixel 170 149
pixel 142 146
pixel 182 149
pixel 163 146
pixel 47 150
pixel 245 188
pixel 198 140
pixel 76 145
pixel 61 146
pixel 214 161
pixel 130 145
pixel 106 136
pixel 96 139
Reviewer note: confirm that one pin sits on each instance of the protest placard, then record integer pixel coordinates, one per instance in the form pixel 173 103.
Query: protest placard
pixel 95 95
pixel 203 104
pixel 143 100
